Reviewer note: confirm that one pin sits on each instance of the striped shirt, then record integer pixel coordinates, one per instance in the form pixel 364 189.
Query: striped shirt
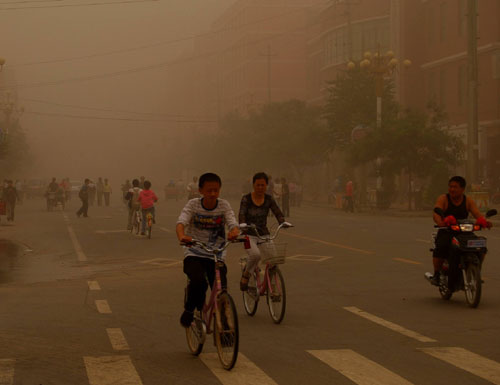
pixel 208 226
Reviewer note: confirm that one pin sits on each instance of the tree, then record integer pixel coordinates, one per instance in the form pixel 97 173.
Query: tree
pixel 352 102
pixel 284 136
pixel 414 143
pixel 14 150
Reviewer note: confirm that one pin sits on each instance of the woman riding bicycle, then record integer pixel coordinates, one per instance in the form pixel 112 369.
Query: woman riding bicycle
pixel 254 209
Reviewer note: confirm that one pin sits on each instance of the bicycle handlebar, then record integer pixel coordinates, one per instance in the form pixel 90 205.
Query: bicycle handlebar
pixel 252 226
pixel 212 250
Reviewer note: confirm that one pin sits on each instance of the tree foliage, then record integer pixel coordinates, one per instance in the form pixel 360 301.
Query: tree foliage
pixel 14 150
pixel 352 102
pixel 284 136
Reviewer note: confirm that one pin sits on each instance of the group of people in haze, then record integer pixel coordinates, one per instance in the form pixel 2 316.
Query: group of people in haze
pixel 89 191
pixel 140 197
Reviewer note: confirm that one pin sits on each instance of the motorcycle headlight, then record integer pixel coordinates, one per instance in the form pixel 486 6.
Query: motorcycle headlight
pixel 466 227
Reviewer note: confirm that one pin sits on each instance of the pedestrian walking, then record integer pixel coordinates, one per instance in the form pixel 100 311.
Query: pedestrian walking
pixel 9 196
pixel 84 197
pixel 92 193
pixel 107 192
pixel 99 191
pixel 349 196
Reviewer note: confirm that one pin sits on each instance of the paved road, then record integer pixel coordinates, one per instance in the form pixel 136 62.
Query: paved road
pixel 84 302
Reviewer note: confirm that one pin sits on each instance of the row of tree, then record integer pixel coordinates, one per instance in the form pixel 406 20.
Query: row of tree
pixel 293 136
pixel 14 150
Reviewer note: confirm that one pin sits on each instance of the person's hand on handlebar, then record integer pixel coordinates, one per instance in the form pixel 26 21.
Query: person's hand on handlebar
pixel 233 234
pixel 186 240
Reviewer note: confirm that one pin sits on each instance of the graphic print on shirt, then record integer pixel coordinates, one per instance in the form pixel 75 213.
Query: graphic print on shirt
pixel 214 224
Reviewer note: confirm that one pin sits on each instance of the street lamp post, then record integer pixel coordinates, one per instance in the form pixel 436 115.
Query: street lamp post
pixel 381 66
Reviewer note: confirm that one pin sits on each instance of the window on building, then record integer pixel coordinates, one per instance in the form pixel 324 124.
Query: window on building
pixel 442 22
pixel 430 24
pixel 442 87
pixel 462 17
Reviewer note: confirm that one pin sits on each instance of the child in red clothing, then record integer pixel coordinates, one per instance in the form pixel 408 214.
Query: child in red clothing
pixel 147 199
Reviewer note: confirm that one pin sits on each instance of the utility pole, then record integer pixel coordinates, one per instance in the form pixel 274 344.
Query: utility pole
pixel 472 115
pixel 269 55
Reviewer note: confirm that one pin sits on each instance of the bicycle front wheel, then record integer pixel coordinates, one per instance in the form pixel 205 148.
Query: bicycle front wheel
pixel 195 335
pixel 276 295
pixel 251 296
pixel 226 331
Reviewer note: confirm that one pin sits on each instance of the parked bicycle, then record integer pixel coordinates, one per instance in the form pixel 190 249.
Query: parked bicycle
pixel 272 284
pixel 218 316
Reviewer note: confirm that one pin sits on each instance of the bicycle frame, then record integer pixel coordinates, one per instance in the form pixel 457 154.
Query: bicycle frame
pixel 266 283
pixel 211 308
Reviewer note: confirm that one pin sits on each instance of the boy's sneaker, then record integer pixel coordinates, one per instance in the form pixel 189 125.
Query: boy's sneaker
pixel 435 279
pixel 187 318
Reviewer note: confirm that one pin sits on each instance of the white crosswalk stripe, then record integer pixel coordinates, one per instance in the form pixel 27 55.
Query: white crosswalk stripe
pixel 471 362
pixel 357 368
pixel 7 371
pixel 111 370
pixel 244 373
pixel 388 324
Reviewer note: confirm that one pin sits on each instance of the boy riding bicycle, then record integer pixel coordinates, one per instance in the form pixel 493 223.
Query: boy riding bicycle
pixel 147 199
pixel 204 219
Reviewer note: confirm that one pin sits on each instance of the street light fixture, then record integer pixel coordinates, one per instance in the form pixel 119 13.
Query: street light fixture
pixel 380 65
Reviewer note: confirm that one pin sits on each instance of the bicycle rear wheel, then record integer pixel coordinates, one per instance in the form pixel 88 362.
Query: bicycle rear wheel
pixel 226 331
pixel 150 229
pixel 276 295
pixel 251 296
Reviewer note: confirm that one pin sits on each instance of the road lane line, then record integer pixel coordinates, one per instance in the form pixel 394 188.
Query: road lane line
pixel 93 285
pixel 102 306
pixel 468 361
pixel 7 371
pixel 117 339
pixel 330 243
pixel 165 229
pixel 76 245
pixel 111 370
pixel 244 373
pixel 407 261
pixel 390 325
pixel 111 231
pixel 357 368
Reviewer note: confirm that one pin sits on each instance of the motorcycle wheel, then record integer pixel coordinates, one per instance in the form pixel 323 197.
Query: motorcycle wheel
pixel 472 286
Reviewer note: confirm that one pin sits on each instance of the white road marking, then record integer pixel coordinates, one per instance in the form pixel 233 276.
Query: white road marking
pixel 117 339
pixel 111 370
pixel 7 371
pixel 94 285
pixel 111 231
pixel 466 360
pixel 78 248
pixel 165 229
pixel 330 243
pixel 163 262
pixel 357 368
pixel 102 306
pixel 309 258
pixel 244 373
pixel 390 325
pixel 407 261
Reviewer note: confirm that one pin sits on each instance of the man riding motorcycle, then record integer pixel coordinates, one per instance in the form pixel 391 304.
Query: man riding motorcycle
pixel 456 206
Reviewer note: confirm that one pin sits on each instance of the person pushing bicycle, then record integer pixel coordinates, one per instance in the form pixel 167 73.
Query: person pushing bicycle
pixel 254 209
pixel 204 219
